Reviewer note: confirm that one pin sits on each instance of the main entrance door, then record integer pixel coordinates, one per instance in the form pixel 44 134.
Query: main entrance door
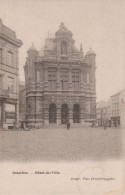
pixel 76 113
pixel 64 113
pixel 52 113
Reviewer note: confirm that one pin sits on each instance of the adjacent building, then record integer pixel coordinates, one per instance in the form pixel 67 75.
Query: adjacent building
pixel 112 110
pixel 122 108
pixel 117 106
pixel 9 75
pixel 103 111
pixel 60 82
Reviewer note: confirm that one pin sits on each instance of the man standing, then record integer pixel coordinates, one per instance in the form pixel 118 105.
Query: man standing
pixel 68 125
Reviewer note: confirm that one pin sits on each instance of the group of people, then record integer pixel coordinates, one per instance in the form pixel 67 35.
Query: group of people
pixel 105 123
pixel 23 125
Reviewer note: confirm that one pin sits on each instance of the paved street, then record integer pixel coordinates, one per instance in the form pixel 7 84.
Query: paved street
pixel 61 144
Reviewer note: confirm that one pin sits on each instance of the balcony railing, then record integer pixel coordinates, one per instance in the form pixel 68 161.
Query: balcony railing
pixel 39 86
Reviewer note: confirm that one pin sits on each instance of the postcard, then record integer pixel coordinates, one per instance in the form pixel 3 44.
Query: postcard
pixel 62 97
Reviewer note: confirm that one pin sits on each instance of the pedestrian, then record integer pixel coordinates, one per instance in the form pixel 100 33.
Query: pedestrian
pixel 105 124
pixel 22 125
pixel 14 125
pixel 116 124
pixel 68 125
pixel 93 124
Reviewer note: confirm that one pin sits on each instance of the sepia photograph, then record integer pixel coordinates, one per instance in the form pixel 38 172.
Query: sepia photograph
pixel 62 96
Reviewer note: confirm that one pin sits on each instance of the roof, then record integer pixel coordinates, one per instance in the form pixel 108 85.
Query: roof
pixel 118 93
pixel 8 33
pixel 90 52
pixel 63 30
pixel 62 36
pixel 101 104
pixel 32 48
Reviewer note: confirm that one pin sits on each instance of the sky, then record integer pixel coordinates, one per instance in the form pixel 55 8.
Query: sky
pixel 99 24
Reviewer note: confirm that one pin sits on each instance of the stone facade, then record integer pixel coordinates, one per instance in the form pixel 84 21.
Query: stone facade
pixel 118 107
pixel 9 74
pixel 60 82
pixel 122 108
pixel 103 112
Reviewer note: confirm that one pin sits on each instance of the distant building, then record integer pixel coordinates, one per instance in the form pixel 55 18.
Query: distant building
pixel 9 75
pixel 60 82
pixel 108 108
pixel 117 107
pixel 103 111
pixel 112 110
pixel 122 108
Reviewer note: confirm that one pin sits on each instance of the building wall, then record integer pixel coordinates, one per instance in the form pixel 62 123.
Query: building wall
pixel 115 101
pixel 103 112
pixel 9 75
pixel 63 76
pixel 122 108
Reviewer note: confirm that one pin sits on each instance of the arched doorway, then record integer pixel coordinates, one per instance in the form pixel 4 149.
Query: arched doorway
pixel 52 113
pixel 64 113
pixel 76 113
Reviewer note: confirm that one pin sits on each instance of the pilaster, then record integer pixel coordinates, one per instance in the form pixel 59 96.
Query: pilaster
pixel 45 79
pixel 82 116
pixel 58 115
pixel 46 114
pixel 71 115
pixel 81 80
pixel 58 79
pixel 70 79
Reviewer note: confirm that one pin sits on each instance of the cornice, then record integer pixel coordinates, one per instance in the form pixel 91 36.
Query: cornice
pixel 18 43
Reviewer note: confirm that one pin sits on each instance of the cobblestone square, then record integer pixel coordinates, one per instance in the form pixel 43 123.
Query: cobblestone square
pixel 61 144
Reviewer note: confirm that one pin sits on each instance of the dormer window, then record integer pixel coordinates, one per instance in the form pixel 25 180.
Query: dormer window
pixel 63 48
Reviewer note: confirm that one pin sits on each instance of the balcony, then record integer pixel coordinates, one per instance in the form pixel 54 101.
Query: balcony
pixel 4 93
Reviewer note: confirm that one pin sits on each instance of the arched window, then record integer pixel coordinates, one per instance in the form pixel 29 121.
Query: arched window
pixel 64 113
pixel 52 113
pixel 76 113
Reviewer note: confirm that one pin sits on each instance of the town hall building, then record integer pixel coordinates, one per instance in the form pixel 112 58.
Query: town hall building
pixel 60 82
